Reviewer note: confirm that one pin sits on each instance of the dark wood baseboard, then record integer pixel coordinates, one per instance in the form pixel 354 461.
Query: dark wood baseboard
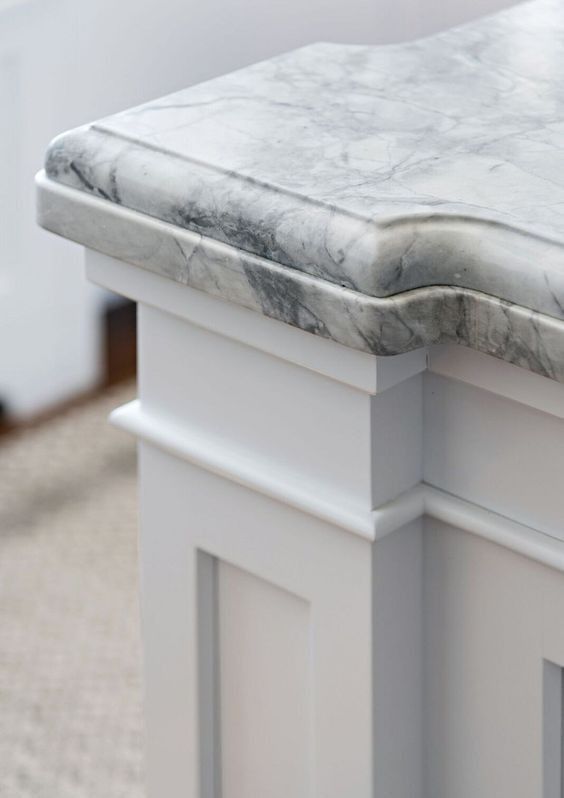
pixel 119 323
pixel 120 342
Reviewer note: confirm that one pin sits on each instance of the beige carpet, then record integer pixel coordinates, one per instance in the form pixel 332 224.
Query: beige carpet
pixel 70 696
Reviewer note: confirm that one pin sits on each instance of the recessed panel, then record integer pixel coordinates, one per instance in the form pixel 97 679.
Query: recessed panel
pixel 255 689
pixel 553 741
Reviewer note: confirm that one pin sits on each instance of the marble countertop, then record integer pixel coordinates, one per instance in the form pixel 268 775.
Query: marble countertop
pixel 386 197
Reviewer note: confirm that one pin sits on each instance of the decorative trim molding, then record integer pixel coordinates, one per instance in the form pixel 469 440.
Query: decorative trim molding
pixel 238 467
pixel 421 500
pixel 532 543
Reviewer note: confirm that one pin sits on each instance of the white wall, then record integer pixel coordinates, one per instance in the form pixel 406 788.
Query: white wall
pixel 65 62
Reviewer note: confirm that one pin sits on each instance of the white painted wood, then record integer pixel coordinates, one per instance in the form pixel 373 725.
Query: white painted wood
pixel 423 500
pixel 493 620
pixel 256 474
pixel 208 670
pixel 552 730
pixel 499 454
pixel 499 529
pixel 315 594
pixel 504 379
pixel 483 686
pixel 420 656
pixel 254 420
pixel 265 686
pixel 332 439
pixel 397 581
pixel 169 612
pixel 484 648
pixel 357 369
pixel 266 409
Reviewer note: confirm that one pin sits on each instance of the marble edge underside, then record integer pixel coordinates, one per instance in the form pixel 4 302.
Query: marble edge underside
pixel 377 325
pixel 390 255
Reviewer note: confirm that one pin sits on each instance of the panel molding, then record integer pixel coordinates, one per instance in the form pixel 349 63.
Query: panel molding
pixel 422 500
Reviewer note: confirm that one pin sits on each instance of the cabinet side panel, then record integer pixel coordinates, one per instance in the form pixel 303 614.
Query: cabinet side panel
pixel 483 667
pixel 264 683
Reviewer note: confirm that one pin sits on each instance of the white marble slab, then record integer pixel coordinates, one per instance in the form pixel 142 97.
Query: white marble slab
pixel 340 177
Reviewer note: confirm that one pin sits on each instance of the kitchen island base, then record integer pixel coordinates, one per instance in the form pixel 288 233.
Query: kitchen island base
pixel 351 566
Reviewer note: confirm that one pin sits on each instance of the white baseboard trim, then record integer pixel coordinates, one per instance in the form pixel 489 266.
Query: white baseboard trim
pixel 421 500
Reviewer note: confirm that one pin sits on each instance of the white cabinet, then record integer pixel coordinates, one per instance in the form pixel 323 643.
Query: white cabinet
pixel 349 264
pixel 327 618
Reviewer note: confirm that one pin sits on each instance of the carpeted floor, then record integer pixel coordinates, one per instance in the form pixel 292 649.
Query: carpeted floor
pixel 70 695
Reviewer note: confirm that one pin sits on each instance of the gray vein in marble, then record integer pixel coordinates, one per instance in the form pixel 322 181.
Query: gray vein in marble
pixel 378 325
pixel 381 169
pixel 352 191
